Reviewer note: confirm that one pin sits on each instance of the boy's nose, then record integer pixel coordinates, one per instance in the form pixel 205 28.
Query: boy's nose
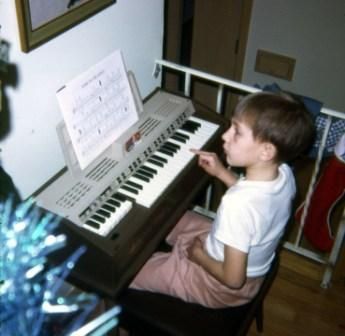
pixel 226 136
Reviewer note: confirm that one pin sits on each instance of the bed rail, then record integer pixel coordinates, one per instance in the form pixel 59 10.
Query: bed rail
pixel 329 260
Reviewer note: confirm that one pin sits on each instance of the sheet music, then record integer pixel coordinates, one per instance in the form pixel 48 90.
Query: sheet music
pixel 97 107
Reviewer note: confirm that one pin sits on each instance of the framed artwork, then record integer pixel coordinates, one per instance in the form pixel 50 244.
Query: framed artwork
pixel 41 20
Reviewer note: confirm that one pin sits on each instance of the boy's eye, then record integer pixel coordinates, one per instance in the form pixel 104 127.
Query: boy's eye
pixel 235 128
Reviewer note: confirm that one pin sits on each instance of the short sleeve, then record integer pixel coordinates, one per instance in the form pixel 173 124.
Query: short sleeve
pixel 236 223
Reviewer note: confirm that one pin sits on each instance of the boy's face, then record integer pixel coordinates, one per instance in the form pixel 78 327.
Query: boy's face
pixel 240 147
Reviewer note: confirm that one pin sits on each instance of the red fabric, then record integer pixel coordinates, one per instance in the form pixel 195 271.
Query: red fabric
pixel 328 191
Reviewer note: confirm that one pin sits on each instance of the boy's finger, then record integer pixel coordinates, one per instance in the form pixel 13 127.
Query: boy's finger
pixel 198 152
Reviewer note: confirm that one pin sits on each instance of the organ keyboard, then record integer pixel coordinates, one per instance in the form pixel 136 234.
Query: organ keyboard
pixel 101 197
pixel 121 208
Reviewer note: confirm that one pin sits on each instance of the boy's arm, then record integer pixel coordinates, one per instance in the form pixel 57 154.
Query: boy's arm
pixel 231 272
pixel 228 177
pixel 212 165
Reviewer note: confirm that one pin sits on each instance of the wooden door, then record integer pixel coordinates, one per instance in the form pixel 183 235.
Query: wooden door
pixel 219 39
pixel 217 44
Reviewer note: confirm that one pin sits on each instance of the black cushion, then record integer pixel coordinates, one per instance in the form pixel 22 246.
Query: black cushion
pixel 147 313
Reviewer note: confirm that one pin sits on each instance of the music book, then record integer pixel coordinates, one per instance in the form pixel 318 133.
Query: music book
pixel 97 107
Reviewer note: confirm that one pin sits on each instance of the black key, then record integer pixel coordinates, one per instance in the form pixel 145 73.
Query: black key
pixel 114 202
pixel 182 135
pixel 120 197
pixel 187 128
pixel 190 126
pixel 145 173
pixel 150 170
pixel 193 124
pixel 93 224
pixel 109 207
pixel 132 190
pixel 170 148
pixel 164 151
pixel 156 163
pixel 141 177
pixel 173 145
pixel 134 185
pixel 159 158
pixel 103 213
pixel 98 218
pixel 178 138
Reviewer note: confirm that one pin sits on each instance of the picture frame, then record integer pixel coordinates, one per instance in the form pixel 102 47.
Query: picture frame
pixel 41 20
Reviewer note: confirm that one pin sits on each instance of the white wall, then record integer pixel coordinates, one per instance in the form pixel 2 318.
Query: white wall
pixel 31 153
pixel 312 32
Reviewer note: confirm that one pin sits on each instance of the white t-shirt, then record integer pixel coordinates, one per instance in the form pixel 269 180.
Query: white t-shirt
pixel 251 218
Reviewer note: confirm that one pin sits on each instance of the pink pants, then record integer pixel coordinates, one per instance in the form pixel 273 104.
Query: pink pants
pixel 174 274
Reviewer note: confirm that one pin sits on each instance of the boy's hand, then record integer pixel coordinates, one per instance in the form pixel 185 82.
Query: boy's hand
pixel 195 250
pixel 209 162
pixel 231 272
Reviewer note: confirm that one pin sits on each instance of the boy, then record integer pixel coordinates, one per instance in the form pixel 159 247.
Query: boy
pixel 223 263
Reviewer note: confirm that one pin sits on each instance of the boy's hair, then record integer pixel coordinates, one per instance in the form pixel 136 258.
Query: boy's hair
pixel 278 119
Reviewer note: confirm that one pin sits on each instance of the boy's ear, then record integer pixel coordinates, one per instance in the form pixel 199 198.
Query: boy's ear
pixel 268 151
